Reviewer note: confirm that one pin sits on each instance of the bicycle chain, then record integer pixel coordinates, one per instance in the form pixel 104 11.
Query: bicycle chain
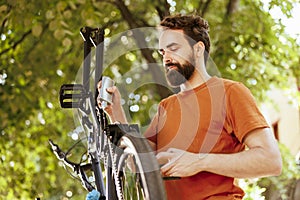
pixel 113 160
pixel 115 171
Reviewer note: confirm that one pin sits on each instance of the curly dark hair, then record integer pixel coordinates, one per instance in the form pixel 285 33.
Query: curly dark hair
pixel 194 27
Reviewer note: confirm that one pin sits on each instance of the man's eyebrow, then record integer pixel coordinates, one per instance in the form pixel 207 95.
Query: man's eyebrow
pixel 172 44
pixel 169 46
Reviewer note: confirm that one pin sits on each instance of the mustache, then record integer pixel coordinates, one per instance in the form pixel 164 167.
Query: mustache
pixel 172 64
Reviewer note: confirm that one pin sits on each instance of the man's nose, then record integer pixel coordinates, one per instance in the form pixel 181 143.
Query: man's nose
pixel 167 58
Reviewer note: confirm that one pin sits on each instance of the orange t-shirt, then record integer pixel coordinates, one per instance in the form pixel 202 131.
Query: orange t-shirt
pixel 211 118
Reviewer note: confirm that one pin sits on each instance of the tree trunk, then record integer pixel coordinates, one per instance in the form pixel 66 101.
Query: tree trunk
pixel 157 74
pixel 232 6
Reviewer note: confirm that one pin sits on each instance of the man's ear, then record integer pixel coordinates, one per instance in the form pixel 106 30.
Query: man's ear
pixel 199 48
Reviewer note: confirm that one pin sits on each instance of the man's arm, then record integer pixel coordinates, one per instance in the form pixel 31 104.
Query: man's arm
pixel 261 159
pixel 115 110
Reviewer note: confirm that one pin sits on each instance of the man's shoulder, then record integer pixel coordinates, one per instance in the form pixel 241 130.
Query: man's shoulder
pixel 168 99
pixel 230 84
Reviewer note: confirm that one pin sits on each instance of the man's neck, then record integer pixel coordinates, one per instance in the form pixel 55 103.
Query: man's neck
pixel 198 78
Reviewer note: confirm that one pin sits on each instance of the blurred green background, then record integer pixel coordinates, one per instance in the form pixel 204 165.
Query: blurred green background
pixel 41 48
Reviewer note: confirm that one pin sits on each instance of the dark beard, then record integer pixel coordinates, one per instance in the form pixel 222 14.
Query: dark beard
pixel 181 75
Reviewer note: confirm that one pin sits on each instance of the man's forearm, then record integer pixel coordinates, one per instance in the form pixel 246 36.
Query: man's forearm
pixel 262 159
pixel 252 163
pixel 120 116
pixel 116 113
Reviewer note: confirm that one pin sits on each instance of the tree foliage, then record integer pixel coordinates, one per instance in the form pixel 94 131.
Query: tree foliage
pixel 41 49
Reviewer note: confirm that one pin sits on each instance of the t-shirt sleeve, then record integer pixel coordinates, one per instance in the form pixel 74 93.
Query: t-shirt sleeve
pixel 242 111
pixel 152 130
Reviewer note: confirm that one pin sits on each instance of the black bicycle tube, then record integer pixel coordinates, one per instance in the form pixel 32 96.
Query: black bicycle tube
pixel 87 60
pixel 99 56
pixel 98 176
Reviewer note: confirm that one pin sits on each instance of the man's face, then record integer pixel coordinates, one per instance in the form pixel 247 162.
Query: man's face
pixel 177 55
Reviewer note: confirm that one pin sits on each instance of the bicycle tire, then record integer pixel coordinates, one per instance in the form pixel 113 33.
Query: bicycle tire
pixel 138 171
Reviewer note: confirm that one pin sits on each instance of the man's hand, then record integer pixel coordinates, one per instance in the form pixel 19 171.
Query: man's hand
pixel 178 163
pixel 115 110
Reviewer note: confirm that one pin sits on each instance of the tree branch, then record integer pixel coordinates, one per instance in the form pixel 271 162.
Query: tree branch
pixel 147 53
pixel 232 6
pixel 5 19
pixel 126 14
pixel 203 7
pixel 3 25
pixel 16 43
pixel 163 12
pixel 37 41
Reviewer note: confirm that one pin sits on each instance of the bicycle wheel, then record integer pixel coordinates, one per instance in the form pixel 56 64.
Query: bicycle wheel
pixel 137 169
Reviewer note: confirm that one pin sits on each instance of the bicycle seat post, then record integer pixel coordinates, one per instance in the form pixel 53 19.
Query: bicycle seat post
pixel 86 33
pixel 91 38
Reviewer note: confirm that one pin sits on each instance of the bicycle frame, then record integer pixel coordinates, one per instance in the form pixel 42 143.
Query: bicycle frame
pixel 107 142
pixel 79 96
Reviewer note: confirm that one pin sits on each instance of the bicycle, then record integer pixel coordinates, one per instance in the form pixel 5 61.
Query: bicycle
pixel 119 150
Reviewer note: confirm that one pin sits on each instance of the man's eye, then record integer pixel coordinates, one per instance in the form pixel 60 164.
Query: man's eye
pixel 174 48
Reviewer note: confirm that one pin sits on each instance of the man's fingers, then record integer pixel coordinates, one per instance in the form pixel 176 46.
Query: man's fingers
pixel 99 85
pixel 167 159
pixel 163 157
pixel 174 150
pixel 166 168
pixel 111 89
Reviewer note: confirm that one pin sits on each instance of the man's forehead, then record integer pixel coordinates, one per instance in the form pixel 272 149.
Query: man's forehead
pixel 171 36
